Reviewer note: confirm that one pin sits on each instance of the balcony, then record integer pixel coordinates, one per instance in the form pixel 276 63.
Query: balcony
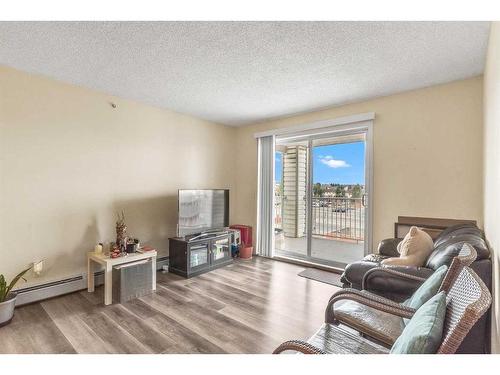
pixel 337 231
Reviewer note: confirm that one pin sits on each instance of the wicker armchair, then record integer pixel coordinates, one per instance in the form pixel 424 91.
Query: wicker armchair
pixel 467 300
pixel 298 346
pixel 381 318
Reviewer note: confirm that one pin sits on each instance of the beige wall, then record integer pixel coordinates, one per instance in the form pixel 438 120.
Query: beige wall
pixel 427 154
pixel 491 169
pixel 69 162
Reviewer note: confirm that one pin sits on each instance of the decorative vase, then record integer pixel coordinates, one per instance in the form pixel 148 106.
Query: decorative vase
pixel 7 309
pixel 121 232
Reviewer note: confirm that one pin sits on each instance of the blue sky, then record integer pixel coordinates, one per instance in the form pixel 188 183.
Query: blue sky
pixel 340 164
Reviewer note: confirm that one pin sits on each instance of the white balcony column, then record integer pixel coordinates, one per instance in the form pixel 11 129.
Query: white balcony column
pixel 294 191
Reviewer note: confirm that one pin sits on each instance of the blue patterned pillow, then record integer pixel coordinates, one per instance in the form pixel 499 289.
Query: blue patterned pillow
pixel 428 289
pixel 423 333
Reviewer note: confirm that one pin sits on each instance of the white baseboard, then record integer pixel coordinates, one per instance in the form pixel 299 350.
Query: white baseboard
pixel 65 286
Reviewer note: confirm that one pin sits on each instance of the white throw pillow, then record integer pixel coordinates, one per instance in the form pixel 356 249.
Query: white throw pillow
pixel 413 250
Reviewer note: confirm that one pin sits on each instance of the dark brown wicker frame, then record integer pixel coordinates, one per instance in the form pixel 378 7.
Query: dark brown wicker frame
pixel 468 299
pixel 298 346
pixel 367 299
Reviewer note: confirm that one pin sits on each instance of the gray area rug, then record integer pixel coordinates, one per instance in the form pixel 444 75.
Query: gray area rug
pixel 326 277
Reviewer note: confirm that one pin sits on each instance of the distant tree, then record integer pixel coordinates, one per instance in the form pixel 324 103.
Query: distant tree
pixel 339 192
pixel 318 190
pixel 356 191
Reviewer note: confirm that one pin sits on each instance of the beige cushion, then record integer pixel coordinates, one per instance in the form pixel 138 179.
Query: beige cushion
pixel 413 250
pixel 379 325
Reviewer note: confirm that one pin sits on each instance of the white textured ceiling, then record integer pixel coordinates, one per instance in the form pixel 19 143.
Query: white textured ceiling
pixel 238 73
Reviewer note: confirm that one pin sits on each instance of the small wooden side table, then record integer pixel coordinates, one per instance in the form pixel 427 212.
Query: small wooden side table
pixel 108 264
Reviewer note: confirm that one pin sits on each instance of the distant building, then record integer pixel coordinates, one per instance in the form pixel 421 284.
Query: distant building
pixel 348 190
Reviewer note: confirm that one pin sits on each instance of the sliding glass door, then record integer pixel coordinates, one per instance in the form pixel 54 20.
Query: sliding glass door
pixel 321 197
pixel 338 198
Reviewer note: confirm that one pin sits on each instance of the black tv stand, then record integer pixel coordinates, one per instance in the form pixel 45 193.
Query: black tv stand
pixel 204 235
pixel 200 254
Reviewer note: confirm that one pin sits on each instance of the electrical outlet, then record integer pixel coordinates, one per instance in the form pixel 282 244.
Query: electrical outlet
pixel 38 267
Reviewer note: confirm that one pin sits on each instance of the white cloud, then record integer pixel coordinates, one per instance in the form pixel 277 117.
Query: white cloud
pixel 334 163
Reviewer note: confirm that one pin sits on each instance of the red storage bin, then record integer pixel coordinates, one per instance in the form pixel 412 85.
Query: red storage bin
pixel 245 233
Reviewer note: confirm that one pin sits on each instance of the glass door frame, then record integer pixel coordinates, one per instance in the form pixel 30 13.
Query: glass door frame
pixel 364 127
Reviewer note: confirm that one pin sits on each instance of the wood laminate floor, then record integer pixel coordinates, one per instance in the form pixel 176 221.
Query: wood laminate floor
pixel 247 307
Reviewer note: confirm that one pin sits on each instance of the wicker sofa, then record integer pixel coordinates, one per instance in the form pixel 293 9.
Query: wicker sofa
pixel 467 300
pixel 399 282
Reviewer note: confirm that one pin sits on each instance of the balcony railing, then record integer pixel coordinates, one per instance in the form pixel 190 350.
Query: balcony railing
pixel 336 218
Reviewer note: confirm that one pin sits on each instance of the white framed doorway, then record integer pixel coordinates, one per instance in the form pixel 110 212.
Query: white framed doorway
pixel 318 217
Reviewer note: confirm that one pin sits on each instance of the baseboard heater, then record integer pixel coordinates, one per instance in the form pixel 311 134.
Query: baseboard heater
pixel 72 284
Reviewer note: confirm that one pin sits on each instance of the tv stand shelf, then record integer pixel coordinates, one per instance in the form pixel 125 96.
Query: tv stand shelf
pixel 192 258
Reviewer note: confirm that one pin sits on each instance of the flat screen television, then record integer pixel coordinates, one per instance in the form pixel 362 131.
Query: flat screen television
pixel 202 210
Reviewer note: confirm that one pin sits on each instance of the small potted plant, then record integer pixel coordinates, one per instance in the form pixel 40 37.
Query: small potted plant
pixel 8 298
